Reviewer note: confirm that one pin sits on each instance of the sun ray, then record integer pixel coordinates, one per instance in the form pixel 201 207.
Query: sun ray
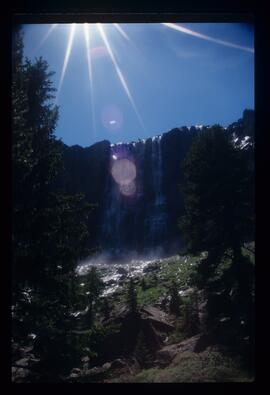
pixel 87 35
pixel 121 31
pixel 119 73
pixel 67 55
pixel 205 37
pixel 51 29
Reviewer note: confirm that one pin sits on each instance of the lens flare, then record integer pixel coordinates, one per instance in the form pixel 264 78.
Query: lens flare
pixel 67 55
pixel 128 189
pixel 121 31
pixel 204 37
pixel 99 52
pixel 51 29
pixel 112 118
pixel 87 35
pixel 119 73
pixel 123 171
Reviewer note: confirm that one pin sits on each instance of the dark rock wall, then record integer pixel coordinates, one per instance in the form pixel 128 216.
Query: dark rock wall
pixel 148 219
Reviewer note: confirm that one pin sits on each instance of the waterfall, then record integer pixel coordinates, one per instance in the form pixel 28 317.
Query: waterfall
pixel 156 216
pixel 129 223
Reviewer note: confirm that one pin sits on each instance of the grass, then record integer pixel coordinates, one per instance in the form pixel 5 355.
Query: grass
pixel 150 295
pixel 189 367
pixel 177 268
pixel 180 269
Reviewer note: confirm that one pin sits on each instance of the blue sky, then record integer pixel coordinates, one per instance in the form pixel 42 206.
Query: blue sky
pixel 146 78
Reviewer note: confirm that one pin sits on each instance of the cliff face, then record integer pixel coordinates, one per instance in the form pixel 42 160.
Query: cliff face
pixel 137 187
pixel 85 171
pixel 175 145
pixel 145 217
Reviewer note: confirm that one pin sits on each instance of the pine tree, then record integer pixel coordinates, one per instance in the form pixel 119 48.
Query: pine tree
pixel 218 196
pixel 191 321
pixel 143 284
pixel 132 297
pixel 219 216
pixel 175 300
pixel 93 287
pixel 106 309
pixel 49 229
pixel 142 352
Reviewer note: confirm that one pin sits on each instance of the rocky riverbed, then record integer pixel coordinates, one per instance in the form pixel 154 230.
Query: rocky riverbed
pixel 115 273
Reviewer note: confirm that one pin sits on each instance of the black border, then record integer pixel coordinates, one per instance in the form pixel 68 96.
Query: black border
pixel 185 11
pixel 132 17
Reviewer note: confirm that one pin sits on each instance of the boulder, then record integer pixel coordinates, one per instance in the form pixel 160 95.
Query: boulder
pixel 19 374
pixel 121 270
pixel 121 366
pixel 107 365
pixel 166 354
pixel 157 317
pixel 162 303
pixel 151 268
pixel 186 292
pixel 22 362
pixel 153 322
pixel 118 363
pixel 74 375
pixel 76 371
pixel 98 373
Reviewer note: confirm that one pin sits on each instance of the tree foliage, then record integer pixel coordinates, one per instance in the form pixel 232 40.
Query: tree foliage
pixel 219 218
pixel 132 297
pixel 93 287
pixel 49 229
pixel 175 300
pixel 218 193
pixel 142 352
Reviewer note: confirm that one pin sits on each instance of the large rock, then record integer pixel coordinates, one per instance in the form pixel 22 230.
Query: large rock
pixel 24 362
pixel 158 318
pixel 19 374
pixel 166 355
pixel 153 322
pixel 99 373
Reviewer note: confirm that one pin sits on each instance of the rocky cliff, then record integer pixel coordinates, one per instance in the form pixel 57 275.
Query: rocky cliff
pixel 137 187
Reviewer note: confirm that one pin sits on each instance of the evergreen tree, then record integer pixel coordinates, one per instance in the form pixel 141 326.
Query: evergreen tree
pixel 93 287
pixel 142 352
pixel 191 321
pixel 49 231
pixel 132 297
pixel 219 216
pixel 106 309
pixel 143 284
pixel 175 300
pixel 218 196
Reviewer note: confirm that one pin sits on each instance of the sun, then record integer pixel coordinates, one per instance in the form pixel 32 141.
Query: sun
pixel 88 30
pixel 93 28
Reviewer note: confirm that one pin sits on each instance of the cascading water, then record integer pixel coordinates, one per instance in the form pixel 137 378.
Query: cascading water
pixel 130 224
pixel 157 216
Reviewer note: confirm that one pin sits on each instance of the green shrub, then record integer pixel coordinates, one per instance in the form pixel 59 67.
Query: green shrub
pixel 189 367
